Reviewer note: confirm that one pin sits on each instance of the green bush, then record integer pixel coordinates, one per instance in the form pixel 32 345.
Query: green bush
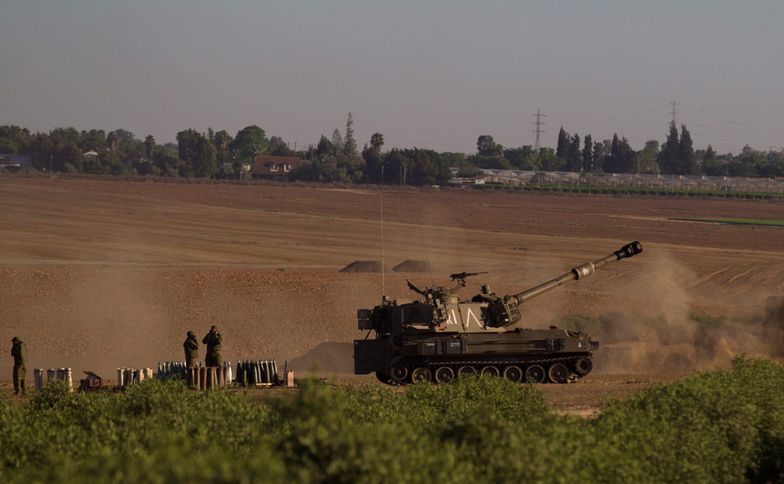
pixel 719 426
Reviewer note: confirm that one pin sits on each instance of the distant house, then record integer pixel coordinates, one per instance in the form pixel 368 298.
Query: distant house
pixel 275 167
pixel 90 154
pixel 15 162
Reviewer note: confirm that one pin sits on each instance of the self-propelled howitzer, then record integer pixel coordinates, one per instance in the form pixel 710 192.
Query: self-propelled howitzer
pixel 443 336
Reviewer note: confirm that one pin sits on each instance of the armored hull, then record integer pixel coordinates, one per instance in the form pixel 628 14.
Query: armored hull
pixel 521 355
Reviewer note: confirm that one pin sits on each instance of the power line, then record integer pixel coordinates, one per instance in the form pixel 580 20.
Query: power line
pixel 747 119
pixel 735 142
pixel 754 130
pixel 611 123
pixel 745 133
pixel 538 123
pixel 739 127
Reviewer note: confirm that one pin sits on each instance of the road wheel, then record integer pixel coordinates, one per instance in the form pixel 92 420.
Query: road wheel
pixel 465 371
pixel 535 374
pixel 558 373
pixel 444 374
pixel 382 377
pixel 513 373
pixel 583 366
pixel 489 371
pixel 420 375
pixel 399 373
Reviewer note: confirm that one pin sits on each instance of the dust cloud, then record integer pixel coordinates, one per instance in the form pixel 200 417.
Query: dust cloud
pixel 329 357
pixel 96 319
pixel 659 328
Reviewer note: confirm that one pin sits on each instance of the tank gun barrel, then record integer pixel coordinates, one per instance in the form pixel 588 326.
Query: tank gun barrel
pixel 584 270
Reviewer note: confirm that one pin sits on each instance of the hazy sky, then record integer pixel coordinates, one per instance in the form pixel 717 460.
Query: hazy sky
pixel 433 74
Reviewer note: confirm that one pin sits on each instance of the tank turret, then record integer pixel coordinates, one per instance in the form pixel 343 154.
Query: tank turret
pixel 440 309
pixel 441 334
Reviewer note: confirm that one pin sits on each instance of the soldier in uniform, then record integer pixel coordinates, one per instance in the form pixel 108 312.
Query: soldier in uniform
pixel 19 353
pixel 486 295
pixel 191 346
pixel 213 342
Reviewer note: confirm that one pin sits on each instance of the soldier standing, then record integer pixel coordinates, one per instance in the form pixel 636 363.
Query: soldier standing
pixel 191 346
pixel 19 353
pixel 213 342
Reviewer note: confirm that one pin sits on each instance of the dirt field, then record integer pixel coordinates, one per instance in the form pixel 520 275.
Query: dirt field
pixel 100 274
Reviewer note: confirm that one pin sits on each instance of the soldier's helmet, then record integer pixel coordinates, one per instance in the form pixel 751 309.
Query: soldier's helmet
pixel 191 335
pixel 15 339
pixel 486 289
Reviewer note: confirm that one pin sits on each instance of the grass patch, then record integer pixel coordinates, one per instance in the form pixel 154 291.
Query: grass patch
pixel 734 221
pixel 633 191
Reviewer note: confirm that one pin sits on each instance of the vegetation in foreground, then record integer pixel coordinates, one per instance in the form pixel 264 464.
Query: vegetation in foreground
pixel 720 426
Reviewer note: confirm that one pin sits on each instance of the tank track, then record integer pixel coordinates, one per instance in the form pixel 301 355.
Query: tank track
pixel 543 361
pixel 574 373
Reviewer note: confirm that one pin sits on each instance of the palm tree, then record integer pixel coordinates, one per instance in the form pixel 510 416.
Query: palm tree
pixel 112 141
pixel 377 141
pixel 149 144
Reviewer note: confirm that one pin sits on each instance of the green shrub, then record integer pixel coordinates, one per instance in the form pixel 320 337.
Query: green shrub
pixel 719 426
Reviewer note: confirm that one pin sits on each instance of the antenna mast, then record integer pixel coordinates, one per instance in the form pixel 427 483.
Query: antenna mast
pixel 383 281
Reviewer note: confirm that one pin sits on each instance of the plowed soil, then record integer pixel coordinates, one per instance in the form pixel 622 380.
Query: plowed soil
pixel 100 274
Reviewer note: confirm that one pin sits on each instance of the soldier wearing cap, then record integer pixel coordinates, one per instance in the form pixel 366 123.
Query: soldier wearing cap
pixel 19 353
pixel 213 342
pixel 191 347
pixel 487 294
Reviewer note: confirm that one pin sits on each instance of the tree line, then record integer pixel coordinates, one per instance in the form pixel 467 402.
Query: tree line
pixel 676 156
pixel 338 159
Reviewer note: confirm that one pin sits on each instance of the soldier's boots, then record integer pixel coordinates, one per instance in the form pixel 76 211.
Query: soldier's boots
pixel 21 388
